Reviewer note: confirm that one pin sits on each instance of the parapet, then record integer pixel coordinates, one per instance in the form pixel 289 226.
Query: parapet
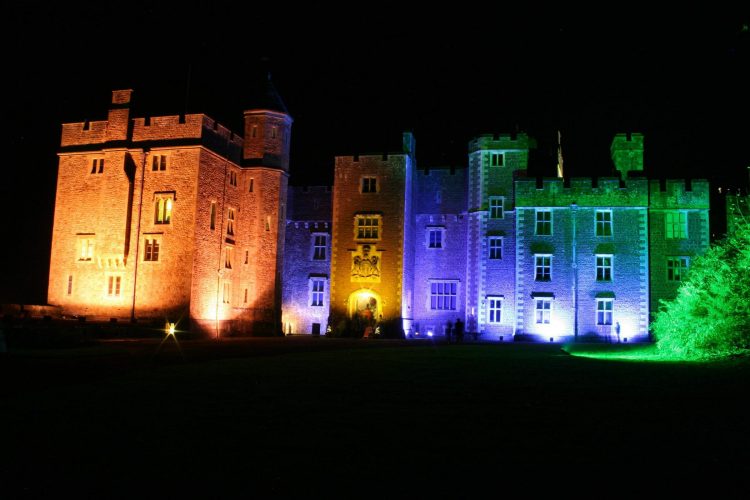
pixel 501 141
pixel 81 133
pixel 582 191
pixel 676 193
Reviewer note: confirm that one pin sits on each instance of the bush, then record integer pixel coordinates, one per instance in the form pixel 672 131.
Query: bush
pixel 710 317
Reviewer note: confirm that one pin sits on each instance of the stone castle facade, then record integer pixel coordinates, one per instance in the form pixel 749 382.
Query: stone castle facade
pixel 178 217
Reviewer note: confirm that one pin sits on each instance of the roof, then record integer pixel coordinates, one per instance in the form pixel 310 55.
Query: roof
pixel 268 98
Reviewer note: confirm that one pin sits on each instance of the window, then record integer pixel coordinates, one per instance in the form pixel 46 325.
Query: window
pixel 268 222
pixel 435 238
pixel 226 296
pixel 319 246
pixel 676 224
pixel 542 267
pixel 230 222
pixel 496 207
pixel 316 297
pixel 603 268
pixel 158 162
pixel 543 311
pixel 233 178
pixel 443 295
pixel 497 159
pixel 250 185
pixel 70 284
pixel 113 286
pixel 604 222
pixel 274 132
pixel 213 215
pixel 604 311
pixel 245 301
pixel 677 268
pixel 369 185
pixel 86 248
pixel 228 258
pixel 494 310
pixel 543 222
pixel 97 166
pixel 254 131
pixel 163 209
pixel 247 256
pixel 152 250
pixel 496 247
pixel 367 227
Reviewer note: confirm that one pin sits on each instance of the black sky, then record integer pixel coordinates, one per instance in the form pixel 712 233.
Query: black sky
pixel 353 82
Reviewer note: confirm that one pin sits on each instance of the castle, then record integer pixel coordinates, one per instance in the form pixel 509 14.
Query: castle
pixel 175 217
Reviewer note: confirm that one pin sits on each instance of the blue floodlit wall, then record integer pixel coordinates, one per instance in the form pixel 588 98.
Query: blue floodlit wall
pixel 573 248
pixel 439 205
pixel 308 215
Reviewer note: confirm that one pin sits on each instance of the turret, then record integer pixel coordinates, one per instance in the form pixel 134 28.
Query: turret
pixel 267 131
pixel 627 153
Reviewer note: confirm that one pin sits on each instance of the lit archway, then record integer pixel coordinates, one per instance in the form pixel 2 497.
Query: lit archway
pixel 366 306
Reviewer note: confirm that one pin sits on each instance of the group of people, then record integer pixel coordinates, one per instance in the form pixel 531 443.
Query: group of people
pixel 455 332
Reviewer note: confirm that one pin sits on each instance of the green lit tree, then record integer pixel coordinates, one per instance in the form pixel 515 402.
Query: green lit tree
pixel 710 317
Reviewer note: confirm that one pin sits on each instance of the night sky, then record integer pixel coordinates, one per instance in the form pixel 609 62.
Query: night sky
pixel 354 82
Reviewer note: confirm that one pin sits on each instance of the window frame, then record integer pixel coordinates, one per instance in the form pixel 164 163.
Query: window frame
pixel 500 212
pixel 542 313
pixel 316 296
pixel 494 156
pixel 542 266
pixel 677 274
pixel 151 250
pixel 442 300
pixel 604 312
pixel 231 218
pixel 113 286
pixel 439 242
pixel 316 246
pixel 537 222
pixel 159 162
pixel 378 227
pixel 490 248
pixel 680 224
pixel 602 277
pixel 368 184
pixel 163 208
pixel 495 309
pixel 604 223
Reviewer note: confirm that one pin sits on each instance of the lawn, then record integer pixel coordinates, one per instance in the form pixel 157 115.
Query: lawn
pixel 351 418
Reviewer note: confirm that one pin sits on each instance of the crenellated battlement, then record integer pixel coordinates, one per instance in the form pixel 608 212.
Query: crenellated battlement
pixel 677 193
pixel 501 141
pixel 582 191
pixel 369 159
pixel 76 134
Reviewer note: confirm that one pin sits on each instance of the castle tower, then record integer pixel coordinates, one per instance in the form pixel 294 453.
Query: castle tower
pixel 494 162
pixel 265 165
pixel 627 153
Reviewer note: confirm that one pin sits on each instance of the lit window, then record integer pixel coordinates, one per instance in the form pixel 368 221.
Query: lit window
pixel 435 238
pixel 676 225
pixel 317 291
pixel 158 162
pixel 542 267
pixel 604 311
pixel 543 311
pixel 86 248
pixel 369 184
pixel 496 207
pixel 603 268
pixel 677 268
pixel 496 247
pixel 494 310
pixel 97 166
pixel 226 296
pixel 230 222
pixel 319 246
pixel 497 159
pixel 367 227
pixel 163 209
pixel 213 215
pixel 604 222
pixel 152 250
pixel 113 286
pixel 543 222
pixel 228 258
pixel 443 295
pixel 233 178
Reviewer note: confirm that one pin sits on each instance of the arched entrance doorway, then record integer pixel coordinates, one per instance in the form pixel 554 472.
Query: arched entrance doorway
pixel 365 311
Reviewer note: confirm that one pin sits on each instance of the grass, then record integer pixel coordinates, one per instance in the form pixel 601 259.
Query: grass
pixel 423 417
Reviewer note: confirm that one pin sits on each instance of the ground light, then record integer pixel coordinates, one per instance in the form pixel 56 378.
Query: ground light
pixel 623 352
pixel 170 330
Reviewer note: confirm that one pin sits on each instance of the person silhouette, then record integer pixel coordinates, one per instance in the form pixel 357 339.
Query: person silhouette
pixel 459 329
pixel 448 331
